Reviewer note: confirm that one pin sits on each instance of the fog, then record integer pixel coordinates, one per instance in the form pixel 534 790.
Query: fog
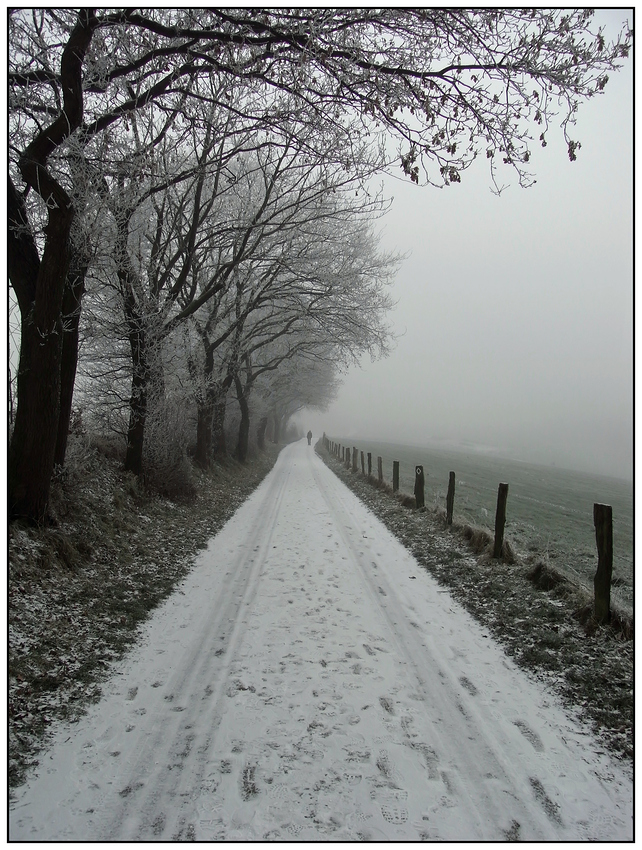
pixel 514 316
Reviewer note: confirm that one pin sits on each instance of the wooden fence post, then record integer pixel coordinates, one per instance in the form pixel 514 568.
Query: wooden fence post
pixel 363 464
pixel 369 464
pixel 343 453
pixel 419 486
pixel 380 469
pixel 603 522
pixel 450 499
pixel 500 519
pixel 395 476
pixel 355 457
pixel 347 458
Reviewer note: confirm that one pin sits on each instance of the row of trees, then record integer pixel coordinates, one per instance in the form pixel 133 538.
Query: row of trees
pixel 189 193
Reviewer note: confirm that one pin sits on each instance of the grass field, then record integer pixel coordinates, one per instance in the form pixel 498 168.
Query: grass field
pixel 549 513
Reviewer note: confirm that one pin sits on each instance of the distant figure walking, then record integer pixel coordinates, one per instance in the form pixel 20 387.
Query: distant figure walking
pixel 309 438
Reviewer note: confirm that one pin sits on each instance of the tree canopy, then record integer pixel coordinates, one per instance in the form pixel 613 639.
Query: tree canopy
pixel 116 114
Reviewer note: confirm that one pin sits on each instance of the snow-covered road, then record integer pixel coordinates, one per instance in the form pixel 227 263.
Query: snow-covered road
pixel 310 681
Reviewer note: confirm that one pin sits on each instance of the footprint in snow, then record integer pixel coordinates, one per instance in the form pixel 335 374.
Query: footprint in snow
pixel 469 686
pixel 531 736
pixel 279 791
pixel 394 814
pixel 387 705
pixel 551 808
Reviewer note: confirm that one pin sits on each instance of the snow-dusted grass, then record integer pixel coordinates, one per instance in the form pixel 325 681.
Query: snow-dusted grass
pixel 540 618
pixel 549 511
pixel 79 591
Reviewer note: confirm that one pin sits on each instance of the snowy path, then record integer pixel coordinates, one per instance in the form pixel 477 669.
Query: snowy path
pixel 310 681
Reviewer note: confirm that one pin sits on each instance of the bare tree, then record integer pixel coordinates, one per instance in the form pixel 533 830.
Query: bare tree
pixel 328 303
pixel 303 382
pixel 448 84
pixel 312 273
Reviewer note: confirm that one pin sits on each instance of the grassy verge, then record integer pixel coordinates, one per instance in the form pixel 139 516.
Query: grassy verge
pixel 542 620
pixel 79 591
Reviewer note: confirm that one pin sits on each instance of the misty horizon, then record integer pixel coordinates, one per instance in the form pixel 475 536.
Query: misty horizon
pixel 463 447
pixel 514 316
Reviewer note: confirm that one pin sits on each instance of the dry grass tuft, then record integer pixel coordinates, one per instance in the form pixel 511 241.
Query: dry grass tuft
pixel 621 624
pixel 62 549
pixel 479 539
pixel 172 478
pixel 509 555
pixel 406 501
pixel 545 577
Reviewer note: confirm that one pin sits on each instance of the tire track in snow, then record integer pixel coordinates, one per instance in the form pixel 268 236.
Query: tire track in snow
pixel 203 677
pixel 489 809
pixel 149 743
pixel 502 789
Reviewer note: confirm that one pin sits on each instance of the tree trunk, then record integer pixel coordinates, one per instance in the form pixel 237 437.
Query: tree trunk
pixel 260 436
pixel 140 386
pixel 603 521
pixel 33 443
pixel 219 447
pixel 23 263
pixel 71 307
pixel 202 456
pixel 136 429
pixel 244 425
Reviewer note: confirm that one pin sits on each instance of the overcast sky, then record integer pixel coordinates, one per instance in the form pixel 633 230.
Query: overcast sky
pixel 514 313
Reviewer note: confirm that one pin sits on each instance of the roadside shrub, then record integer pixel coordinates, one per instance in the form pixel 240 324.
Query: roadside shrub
pixel 172 478
pixel 79 458
pixel 76 424
pixel 62 547
pixel 168 471
pixel 111 446
pixel 80 455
